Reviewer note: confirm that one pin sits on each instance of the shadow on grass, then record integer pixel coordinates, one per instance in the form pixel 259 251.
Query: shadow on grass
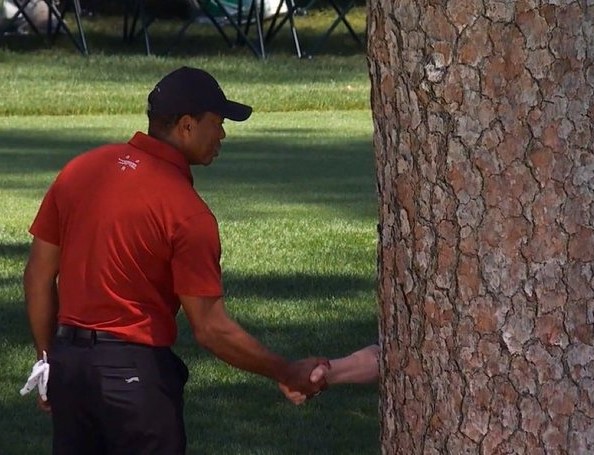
pixel 232 412
pixel 272 167
pixel 227 411
pixel 14 250
pixel 240 418
pixel 300 285
pixel 270 288
pixel 257 419
pixel 31 151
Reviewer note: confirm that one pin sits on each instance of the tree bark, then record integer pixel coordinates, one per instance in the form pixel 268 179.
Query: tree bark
pixel 483 115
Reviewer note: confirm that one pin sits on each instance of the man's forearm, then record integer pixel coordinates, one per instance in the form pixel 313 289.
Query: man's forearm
pixel 235 346
pixel 359 367
pixel 225 338
pixel 42 309
pixel 41 296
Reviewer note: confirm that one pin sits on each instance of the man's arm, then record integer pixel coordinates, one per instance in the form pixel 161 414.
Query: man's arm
pixel 357 368
pixel 41 297
pixel 221 335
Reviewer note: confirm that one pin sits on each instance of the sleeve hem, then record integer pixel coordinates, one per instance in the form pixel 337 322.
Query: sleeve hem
pixel 43 237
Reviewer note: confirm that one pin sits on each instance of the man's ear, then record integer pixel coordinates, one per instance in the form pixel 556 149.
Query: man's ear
pixel 185 124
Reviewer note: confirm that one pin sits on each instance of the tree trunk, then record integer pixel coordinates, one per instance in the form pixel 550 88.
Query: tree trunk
pixel 483 115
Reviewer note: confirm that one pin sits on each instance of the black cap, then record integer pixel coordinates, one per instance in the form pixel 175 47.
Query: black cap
pixel 193 91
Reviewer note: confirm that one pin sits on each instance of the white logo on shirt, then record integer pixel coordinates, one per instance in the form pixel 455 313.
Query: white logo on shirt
pixel 128 162
pixel 132 379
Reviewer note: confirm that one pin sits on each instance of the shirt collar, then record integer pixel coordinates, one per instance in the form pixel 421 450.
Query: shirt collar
pixel 162 150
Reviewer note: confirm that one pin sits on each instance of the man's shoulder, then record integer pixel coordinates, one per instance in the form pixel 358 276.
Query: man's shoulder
pixel 101 152
pixel 187 200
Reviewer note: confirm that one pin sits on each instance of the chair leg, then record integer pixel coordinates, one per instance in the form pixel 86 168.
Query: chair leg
pixel 81 43
pixel 342 12
pixel 289 17
pixel 233 23
pixel 273 28
pixel 144 25
pixel 292 9
pixel 125 24
pixel 259 13
pixel 22 12
pixel 81 33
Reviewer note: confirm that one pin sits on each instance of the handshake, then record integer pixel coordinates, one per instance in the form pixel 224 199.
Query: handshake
pixel 306 379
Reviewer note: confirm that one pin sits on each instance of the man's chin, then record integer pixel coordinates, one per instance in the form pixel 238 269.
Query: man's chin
pixel 203 162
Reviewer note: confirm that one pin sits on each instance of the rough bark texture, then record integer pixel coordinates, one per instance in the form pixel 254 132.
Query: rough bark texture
pixel 484 139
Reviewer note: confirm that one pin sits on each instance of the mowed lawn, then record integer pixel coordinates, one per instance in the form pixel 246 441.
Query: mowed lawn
pixel 294 196
pixel 294 192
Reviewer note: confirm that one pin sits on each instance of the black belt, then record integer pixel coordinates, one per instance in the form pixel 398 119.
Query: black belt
pixel 72 333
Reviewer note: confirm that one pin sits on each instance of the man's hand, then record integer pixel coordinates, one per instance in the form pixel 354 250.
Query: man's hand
pixel 297 377
pixel 320 372
pixel 44 405
pixel 294 397
pixel 316 380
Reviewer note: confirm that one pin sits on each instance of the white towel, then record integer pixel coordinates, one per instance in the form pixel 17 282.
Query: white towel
pixel 38 378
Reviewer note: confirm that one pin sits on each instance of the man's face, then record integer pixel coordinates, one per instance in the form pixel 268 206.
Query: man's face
pixel 203 138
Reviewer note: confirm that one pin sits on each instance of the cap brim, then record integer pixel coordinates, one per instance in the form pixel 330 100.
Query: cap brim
pixel 235 111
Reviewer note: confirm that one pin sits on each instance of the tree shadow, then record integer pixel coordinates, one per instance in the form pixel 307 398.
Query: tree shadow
pixel 341 421
pixel 276 286
pixel 229 411
pixel 272 288
pixel 266 167
pixel 237 418
pixel 14 250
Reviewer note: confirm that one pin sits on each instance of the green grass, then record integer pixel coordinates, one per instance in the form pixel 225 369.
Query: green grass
pixel 115 84
pixel 116 77
pixel 294 194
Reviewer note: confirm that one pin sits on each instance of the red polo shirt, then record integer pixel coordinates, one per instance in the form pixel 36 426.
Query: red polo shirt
pixel 133 234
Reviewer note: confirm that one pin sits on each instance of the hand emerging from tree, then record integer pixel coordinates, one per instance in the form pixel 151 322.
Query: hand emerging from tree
pixel 357 368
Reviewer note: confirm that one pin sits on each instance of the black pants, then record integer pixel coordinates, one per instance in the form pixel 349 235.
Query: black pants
pixel 116 398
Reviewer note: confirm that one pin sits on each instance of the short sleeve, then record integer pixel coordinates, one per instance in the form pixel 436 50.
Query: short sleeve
pixel 46 225
pixel 196 257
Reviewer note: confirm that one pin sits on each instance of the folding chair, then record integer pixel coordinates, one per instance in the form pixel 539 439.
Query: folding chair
pixel 340 7
pixel 255 15
pixel 291 12
pixel 201 7
pixel 54 12
pixel 136 10
pixel 21 12
pixel 68 5
pixel 341 12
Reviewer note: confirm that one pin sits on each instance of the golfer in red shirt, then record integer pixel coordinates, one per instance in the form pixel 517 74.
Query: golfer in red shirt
pixel 121 241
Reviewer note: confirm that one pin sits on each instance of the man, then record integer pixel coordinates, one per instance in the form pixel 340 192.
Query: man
pixel 122 240
pixel 359 367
